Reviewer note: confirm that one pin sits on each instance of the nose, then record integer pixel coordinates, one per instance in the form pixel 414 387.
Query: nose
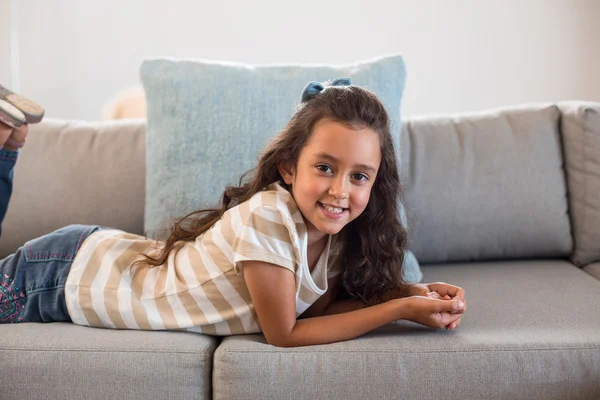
pixel 340 188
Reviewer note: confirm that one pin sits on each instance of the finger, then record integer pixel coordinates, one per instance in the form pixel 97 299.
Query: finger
pixel 456 323
pixel 446 289
pixel 446 319
pixel 5 132
pixel 20 133
pixel 450 306
pixel 419 289
pixel 464 304
pixel 450 326
pixel 453 325
pixel 451 290
pixel 459 312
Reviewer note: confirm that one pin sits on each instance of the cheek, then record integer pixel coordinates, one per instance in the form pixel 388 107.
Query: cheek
pixel 361 199
pixel 313 189
pixel 317 189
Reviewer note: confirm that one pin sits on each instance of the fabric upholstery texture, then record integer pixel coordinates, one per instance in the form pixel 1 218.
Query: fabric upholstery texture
pixel 581 138
pixel 593 270
pixel 518 340
pixel 73 172
pixel 488 185
pixel 66 361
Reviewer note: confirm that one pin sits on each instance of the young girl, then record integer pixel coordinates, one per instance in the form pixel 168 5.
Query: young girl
pixel 308 251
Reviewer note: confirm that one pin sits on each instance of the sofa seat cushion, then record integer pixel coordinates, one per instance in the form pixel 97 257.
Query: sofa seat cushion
pixel 530 332
pixel 66 361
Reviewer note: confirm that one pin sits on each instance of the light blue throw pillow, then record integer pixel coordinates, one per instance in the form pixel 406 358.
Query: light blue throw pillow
pixel 208 122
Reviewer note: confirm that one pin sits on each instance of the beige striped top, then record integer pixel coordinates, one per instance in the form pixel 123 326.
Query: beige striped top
pixel 200 288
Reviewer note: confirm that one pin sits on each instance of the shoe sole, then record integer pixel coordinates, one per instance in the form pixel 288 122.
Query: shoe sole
pixel 11 115
pixel 33 112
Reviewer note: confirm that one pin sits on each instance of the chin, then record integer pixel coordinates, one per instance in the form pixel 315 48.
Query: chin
pixel 331 230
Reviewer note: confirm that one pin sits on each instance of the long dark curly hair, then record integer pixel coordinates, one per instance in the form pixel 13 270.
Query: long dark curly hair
pixel 372 246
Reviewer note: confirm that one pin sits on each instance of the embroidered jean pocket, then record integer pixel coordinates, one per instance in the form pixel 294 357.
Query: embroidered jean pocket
pixel 60 245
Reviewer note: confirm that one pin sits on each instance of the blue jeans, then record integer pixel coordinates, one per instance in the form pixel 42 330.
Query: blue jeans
pixel 8 159
pixel 32 280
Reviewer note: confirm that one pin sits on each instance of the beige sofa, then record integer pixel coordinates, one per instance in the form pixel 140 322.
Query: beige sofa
pixel 505 203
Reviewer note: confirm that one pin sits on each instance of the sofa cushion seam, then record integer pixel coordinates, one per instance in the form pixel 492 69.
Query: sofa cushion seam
pixel 412 352
pixel 99 351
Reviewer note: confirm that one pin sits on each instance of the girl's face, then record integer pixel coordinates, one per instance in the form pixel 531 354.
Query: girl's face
pixel 332 180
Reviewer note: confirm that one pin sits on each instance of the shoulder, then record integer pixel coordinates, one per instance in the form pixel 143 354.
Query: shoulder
pixel 270 213
pixel 265 229
pixel 274 201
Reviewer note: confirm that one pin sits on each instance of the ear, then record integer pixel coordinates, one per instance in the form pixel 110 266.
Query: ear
pixel 286 170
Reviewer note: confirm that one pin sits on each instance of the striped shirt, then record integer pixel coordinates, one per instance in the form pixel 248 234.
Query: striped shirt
pixel 200 288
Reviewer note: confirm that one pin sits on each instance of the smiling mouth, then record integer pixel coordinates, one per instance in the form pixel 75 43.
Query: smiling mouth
pixel 332 209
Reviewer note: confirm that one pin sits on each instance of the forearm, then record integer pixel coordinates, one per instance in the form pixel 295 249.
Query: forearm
pixel 343 326
pixel 342 306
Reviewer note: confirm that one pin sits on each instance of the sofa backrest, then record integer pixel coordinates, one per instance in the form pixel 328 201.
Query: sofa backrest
pixel 486 185
pixel 580 127
pixel 76 172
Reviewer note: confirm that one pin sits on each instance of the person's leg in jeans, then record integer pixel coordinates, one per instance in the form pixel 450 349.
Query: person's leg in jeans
pixel 32 280
pixel 8 159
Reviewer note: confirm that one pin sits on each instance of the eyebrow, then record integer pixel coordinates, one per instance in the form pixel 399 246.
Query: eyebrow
pixel 335 160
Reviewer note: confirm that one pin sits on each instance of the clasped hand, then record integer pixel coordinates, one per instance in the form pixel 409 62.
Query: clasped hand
pixel 437 305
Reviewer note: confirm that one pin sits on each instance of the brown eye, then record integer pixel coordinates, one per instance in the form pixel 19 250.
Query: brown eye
pixel 324 168
pixel 360 177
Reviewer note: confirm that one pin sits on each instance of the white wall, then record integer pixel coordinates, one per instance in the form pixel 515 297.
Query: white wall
pixel 4 48
pixel 461 55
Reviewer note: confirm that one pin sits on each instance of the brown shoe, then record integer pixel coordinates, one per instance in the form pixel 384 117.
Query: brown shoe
pixel 33 112
pixel 11 115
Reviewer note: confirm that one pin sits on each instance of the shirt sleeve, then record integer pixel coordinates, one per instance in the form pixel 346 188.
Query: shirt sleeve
pixel 266 236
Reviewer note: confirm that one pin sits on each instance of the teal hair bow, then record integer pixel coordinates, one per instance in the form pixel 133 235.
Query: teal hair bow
pixel 314 88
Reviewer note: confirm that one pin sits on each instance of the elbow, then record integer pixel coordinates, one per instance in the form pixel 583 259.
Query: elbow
pixel 280 341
